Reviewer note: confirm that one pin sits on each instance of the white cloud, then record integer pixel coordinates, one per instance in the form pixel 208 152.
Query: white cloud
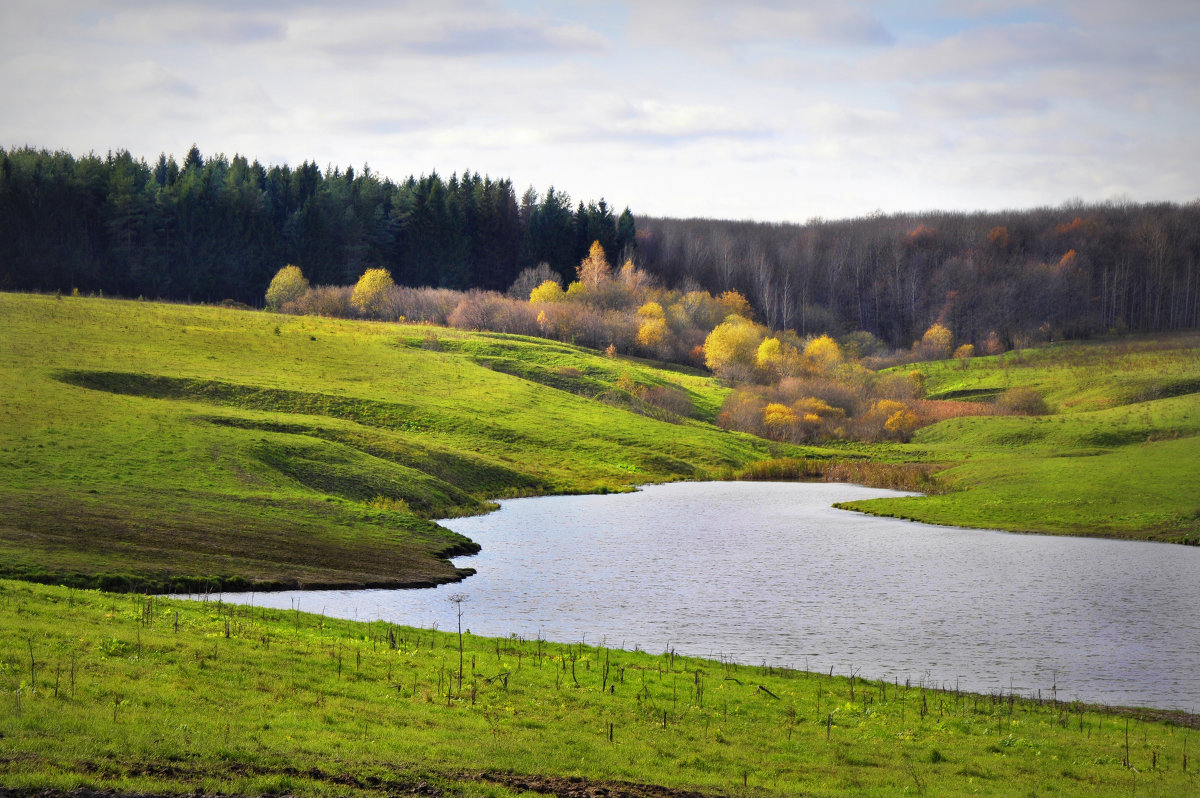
pixel 768 108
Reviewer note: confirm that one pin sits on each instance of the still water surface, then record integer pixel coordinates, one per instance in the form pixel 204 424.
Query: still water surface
pixel 770 572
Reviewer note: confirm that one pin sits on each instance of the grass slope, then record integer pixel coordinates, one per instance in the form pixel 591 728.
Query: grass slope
pixel 139 695
pixel 1118 456
pixel 151 446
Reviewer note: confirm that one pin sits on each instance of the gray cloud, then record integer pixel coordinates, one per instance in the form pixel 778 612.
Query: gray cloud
pixel 705 23
pixel 1004 51
pixel 233 30
pixel 519 39
pixel 446 31
pixel 974 100
pixel 658 124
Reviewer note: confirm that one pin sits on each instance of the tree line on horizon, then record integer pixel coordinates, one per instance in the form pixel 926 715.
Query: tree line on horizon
pixel 217 228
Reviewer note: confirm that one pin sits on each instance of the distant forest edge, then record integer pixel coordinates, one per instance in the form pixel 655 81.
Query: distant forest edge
pixel 1071 271
pixel 218 228
pixel 215 228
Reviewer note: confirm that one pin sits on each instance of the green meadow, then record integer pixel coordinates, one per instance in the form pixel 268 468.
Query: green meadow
pixel 153 447
pixel 141 695
pixel 1116 456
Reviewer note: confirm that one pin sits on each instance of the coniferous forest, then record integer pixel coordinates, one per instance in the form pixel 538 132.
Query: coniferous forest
pixel 215 228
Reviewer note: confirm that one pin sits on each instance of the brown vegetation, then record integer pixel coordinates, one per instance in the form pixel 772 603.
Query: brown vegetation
pixel 788 388
pixel 917 477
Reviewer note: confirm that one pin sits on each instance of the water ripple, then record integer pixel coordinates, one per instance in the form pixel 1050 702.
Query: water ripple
pixel 769 572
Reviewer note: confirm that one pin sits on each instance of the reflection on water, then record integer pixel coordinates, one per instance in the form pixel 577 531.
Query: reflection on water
pixel 769 572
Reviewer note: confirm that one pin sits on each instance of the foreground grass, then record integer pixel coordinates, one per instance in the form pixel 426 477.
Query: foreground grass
pixel 1117 457
pixel 137 694
pixel 154 447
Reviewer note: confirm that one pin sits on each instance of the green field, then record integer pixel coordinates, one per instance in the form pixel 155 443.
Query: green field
pixel 142 695
pixel 150 446
pixel 1119 455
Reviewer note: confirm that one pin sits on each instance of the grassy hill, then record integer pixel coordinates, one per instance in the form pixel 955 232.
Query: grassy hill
pixel 1118 455
pixel 152 446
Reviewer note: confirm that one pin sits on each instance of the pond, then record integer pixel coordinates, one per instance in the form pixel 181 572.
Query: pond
pixel 769 572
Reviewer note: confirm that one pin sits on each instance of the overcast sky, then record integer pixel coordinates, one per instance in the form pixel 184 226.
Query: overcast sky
pixel 757 109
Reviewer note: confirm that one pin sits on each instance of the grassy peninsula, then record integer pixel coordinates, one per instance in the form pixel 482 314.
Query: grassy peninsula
pixel 149 446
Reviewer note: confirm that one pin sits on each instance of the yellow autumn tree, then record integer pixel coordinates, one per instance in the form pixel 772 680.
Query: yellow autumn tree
pixel 651 310
pixel 935 343
pixel 371 292
pixel 902 423
pixel 730 349
pixel 549 291
pixel 769 353
pixel 886 407
pixel 776 415
pixel 288 285
pixel 652 332
pixel 817 408
pixel 963 354
pixel 594 269
pixel 736 304
pixel 822 355
pixel 652 327
pixel 892 418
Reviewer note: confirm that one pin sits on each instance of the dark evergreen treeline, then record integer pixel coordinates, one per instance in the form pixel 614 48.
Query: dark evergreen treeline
pixel 1070 271
pixel 217 228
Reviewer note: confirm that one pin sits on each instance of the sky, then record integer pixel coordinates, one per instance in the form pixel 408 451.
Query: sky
pixel 760 109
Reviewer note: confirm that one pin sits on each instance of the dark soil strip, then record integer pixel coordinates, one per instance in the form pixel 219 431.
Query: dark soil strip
pixel 578 787
pixel 564 787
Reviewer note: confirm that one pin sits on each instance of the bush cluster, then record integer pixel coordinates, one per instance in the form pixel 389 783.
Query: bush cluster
pixel 619 311
pixel 788 388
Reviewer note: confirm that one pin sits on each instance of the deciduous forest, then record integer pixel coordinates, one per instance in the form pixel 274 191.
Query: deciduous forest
pixel 1070 271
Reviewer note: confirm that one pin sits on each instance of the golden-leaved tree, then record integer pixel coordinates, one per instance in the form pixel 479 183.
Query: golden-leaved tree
pixel 549 291
pixel 736 304
pixel 730 350
pixel 288 285
pixel 370 296
pixel 935 343
pixel 594 269
pixel 822 356
pixel 652 326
